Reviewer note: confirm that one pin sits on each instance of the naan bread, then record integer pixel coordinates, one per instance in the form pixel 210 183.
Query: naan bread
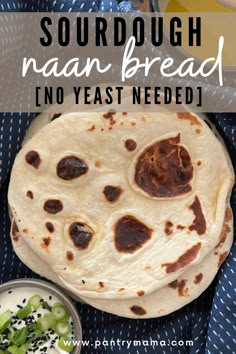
pixel 54 112
pixel 69 105
pixel 178 293
pixel 162 301
pixel 28 257
pixel 88 200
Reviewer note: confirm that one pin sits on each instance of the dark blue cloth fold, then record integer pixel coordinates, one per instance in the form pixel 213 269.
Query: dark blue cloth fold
pixel 209 321
pixel 66 6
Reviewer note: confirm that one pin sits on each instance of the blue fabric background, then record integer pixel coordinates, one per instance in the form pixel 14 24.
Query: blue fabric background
pixel 210 321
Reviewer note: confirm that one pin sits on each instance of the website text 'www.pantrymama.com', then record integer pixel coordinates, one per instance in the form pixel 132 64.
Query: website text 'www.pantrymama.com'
pixel 122 343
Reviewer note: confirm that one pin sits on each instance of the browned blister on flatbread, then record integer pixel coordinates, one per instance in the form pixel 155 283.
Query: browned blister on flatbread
pixel 81 235
pixel 199 222
pixel 71 167
pixel 164 169
pixel 130 234
pixel 14 231
pixel 183 260
pixel 112 193
pixel 33 158
pixel 53 206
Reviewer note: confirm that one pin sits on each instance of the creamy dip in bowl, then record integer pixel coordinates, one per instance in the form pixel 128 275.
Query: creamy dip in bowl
pixel 36 317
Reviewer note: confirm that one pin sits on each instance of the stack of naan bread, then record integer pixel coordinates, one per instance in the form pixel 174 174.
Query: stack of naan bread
pixel 128 212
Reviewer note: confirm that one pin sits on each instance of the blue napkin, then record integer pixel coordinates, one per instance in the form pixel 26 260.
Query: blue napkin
pixel 209 321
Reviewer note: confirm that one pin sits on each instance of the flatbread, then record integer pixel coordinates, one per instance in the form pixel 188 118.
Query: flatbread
pixel 180 292
pixel 28 257
pixel 180 226
pixel 68 106
pixel 162 301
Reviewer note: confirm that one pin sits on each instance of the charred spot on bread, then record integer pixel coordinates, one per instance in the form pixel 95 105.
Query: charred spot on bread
pixel 70 255
pixel 50 227
pixel 199 222
pixel 33 158
pixel 164 169
pixel 46 242
pixel 53 206
pixel 130 144
pixel 198 278
pixel 180 286
pixel 55 116
pixel 183 260
pixel 71 167
pixel 190 117
pixel 15 231
pixel 226 229
pixel 168 228
pixel 81 234
pixel 130 234
pixel 30 194
pixel 140 293
pixel 112 193
pixel 180 227
pixel 109 114
pixel 222 258
pixel 138 310
pixel 92 128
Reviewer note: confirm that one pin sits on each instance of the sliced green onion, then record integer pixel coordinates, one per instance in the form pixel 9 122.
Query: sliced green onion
pixel 20 336
pixel 45 322
pixel 24 312
pixel 46 306
pixel 37 332
pixel 59 313
pixel 18 341
pixel 66 344
pixel 23 348
pixel 14 349
pixel 2 351
pixel 5 320
pixel 62 328
pixel 35 301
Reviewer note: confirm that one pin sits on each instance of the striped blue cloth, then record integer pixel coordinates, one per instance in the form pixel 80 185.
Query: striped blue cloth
pixel 67 5
pixel 210 321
